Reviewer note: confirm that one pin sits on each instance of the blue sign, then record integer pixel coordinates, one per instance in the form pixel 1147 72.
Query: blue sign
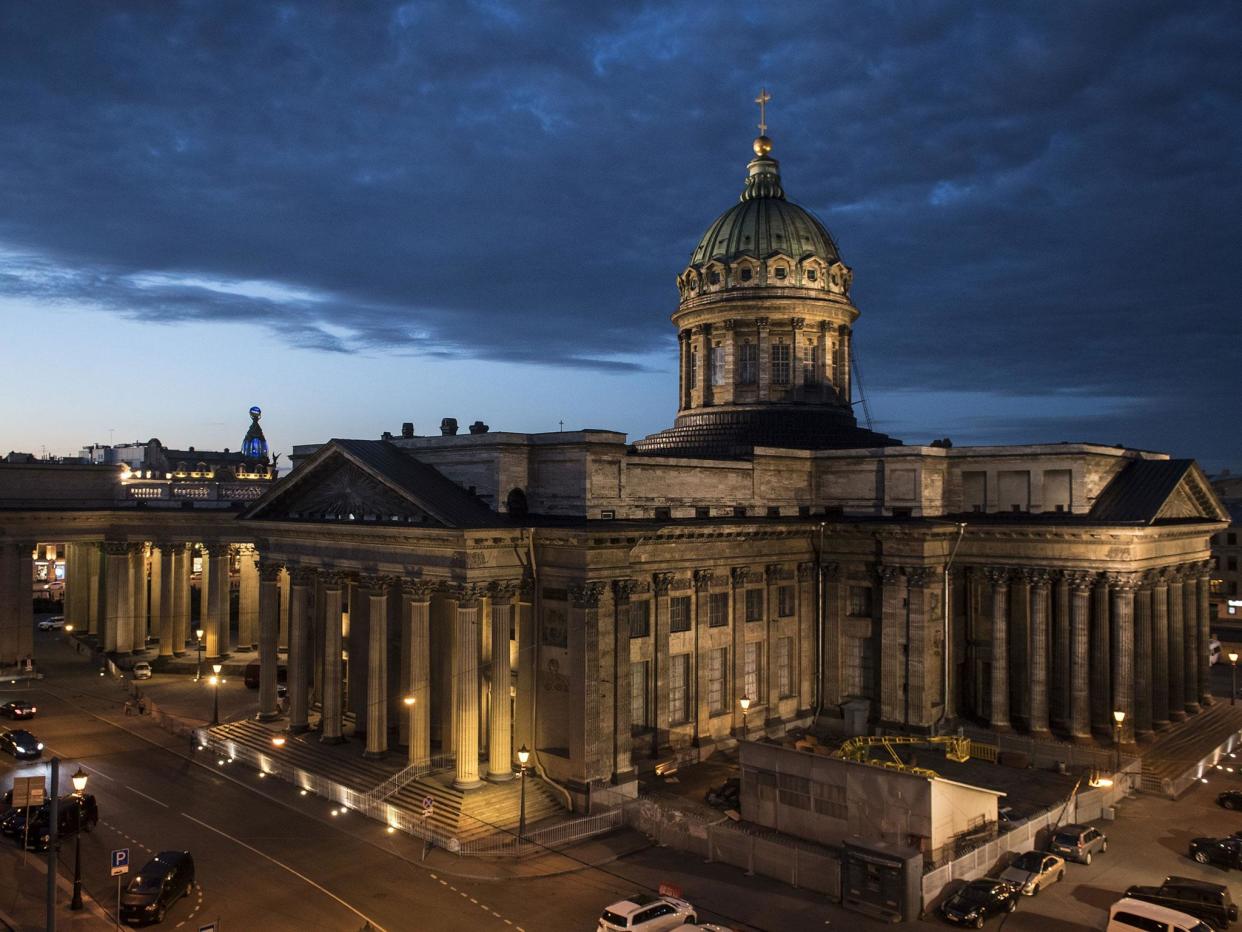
pixel 120 861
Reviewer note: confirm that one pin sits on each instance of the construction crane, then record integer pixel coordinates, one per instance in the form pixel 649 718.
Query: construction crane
pixel 956 748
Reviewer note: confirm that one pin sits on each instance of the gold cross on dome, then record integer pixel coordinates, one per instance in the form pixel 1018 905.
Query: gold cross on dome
pixel 762 101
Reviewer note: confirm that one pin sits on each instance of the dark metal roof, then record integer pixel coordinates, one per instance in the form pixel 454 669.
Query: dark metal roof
pixel 1139 491
pixel 424 484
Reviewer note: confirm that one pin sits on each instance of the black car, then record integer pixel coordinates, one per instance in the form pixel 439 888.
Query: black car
pixel 19 708
pixel 973 903
pixel 162 881
pixel 13 824
pixel 1226 852
pixel 1230 799
pixel 1199 898
pixel 21 744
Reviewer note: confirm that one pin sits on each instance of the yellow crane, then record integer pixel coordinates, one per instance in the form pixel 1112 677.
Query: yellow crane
pixel 956 748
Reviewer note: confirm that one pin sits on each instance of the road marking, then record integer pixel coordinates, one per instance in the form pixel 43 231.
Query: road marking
pixel 145 796
pixel 96 770
pixel 291 870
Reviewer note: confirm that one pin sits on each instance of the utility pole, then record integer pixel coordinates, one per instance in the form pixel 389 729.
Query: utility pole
pixel 53 844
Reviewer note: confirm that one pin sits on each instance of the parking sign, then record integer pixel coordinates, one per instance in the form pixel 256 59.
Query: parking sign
pixel 120 862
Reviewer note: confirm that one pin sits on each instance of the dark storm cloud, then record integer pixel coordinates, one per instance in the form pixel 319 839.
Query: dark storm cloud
pixel 1036 198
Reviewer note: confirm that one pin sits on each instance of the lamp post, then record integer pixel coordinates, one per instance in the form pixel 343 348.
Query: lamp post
pixel 744 702
pixel 215 682
pixel 1118 717
pixel 198 633
pixel 79 787
pixel 523 756
pixel 1233 692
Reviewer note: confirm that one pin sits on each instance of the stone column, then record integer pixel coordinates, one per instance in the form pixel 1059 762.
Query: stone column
pixel 78 570
pixel 660 584
pixel 118 615
pixel 1142 659
pixel 1122 586
pixel 1190 623
pixel 167 606
pixel 705 367
pixel 500 738
pixel 215 568
pixel 1159 650
pixel 138 595
pixel 466 689
pixel 846 341
pixel 764 381
pixel 283 638
pixel 96 598
pixel 418 598
pixel 300 583
pixel 248 597
pixel 893 637
pixel 622 726
pixel 1038 656
pixel 377 666
pixel 1080 584
pixel 16 601
pixel 998 577
pixel 204 589
pixel 1101 662
pixel 269 595
pixel 1061 651
pixel 330 724
pixel 155 601
pixel 1204 620
pixel 183 562
pixel 1177 649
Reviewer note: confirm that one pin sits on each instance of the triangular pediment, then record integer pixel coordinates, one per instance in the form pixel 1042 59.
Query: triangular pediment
pixel 1151 490
pixel 1193 497
pixel 369 481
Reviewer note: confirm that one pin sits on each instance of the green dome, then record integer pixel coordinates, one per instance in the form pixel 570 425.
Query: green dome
pixel 764 223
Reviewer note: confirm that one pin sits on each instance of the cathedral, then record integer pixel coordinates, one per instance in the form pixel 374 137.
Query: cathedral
pixel 762 564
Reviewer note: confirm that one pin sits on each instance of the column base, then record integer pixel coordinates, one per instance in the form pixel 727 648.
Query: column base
pixel 331 739
pixel 1160 726
pixel 1206 701
pixel 1178 716
pixel 375 755
pixel 503 777
pixel 1144 736
pixel 1043 734
pixel 1082 739
pixel 467 784
pixel 1192 708
pixel 267 716
pixel 299 729
pixel 1001 728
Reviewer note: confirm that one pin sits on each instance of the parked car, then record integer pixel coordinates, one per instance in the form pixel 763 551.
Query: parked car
pixel 1034 870
pixel 973 903
pixel 1225 852
pixel 21 744
pixel 1128 914
pixel 13 824
pixel 726 795
pixel 162 881
pixel 1078 843
pixel 18 708
pixel 1210 902
pixel 53 623
pixel 1008 819
pixel 1215 654
pixel 142 670
pixel 1230 799
pixel 646 912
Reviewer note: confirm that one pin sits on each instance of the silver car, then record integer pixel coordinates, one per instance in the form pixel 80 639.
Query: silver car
pixel 1078 843
pixel 1034 870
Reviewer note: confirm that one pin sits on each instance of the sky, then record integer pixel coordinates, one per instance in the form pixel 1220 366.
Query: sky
pixel 356 214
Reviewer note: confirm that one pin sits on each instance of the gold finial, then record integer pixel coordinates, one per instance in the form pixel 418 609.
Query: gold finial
pixel 762 101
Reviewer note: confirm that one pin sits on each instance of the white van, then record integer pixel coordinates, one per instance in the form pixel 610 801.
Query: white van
pixel 1129 915
pixel 1215 655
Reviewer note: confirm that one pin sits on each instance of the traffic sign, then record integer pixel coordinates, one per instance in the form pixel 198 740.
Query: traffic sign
pixel 120 862
pixel 28 791
pixel 210 927
pixel 428 805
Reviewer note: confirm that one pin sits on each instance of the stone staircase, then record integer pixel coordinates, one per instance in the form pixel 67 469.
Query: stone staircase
pixel 464 815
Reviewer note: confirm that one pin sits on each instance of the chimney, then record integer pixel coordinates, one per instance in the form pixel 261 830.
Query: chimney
pixel 448 427
pixel 407 430
pixel 478 427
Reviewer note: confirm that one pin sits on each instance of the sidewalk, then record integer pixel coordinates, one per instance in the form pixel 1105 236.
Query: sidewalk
pixel 23 896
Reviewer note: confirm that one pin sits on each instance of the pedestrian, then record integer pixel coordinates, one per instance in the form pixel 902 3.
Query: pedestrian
pixel 142 706
pixel 129 707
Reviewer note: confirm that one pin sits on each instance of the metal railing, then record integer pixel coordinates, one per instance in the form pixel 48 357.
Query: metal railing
pixel 401 778
pixel 535 842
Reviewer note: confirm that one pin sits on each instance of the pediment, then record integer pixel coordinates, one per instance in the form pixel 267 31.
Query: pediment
pixel 1193 497
pixel 345 492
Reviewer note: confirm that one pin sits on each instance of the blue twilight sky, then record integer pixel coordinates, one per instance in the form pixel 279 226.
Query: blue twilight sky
pixel 357 214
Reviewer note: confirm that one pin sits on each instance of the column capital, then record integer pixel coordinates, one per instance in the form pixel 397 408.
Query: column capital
pixel 702 580
pixel 917 577
pixel 112 548
pixel 762 322
pixel 375 581
pixel 774 572
pixel 1204 568
pixel 302 575
pixel 998 576
pixel 660 582
pixel 1122 581
pixel 334 579
pixel 622 589
pixel 418 590
pixel 1079 580
pixel 216 549
pixel 739 576
pixel 1037 577
pixel 466 595
pixel 504 590
pixel 269 570
pixel 797 323
pixel 586 594
pixel 806 571
pixel 888 573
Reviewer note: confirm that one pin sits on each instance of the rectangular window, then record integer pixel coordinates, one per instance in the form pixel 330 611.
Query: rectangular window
pixel 810 365
pixel 718 609
pixel 784 666
pixel 785 601
pixel 640 718
pixel 678 688
pixel 717 663
pixel 640 619
pixel 860 601
pixel 751 681
pixel 780 364
pixel 718 365
pixel 754 605
pixel 679 613
pixel 1231 564
pixel 748 364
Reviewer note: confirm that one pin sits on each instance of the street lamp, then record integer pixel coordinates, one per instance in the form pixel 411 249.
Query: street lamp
pixel 1118 717
pixel 215 685
pixel 523 755
pixel 79 787
pixel 1233 693
pixel 198 633
pixel 744 702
